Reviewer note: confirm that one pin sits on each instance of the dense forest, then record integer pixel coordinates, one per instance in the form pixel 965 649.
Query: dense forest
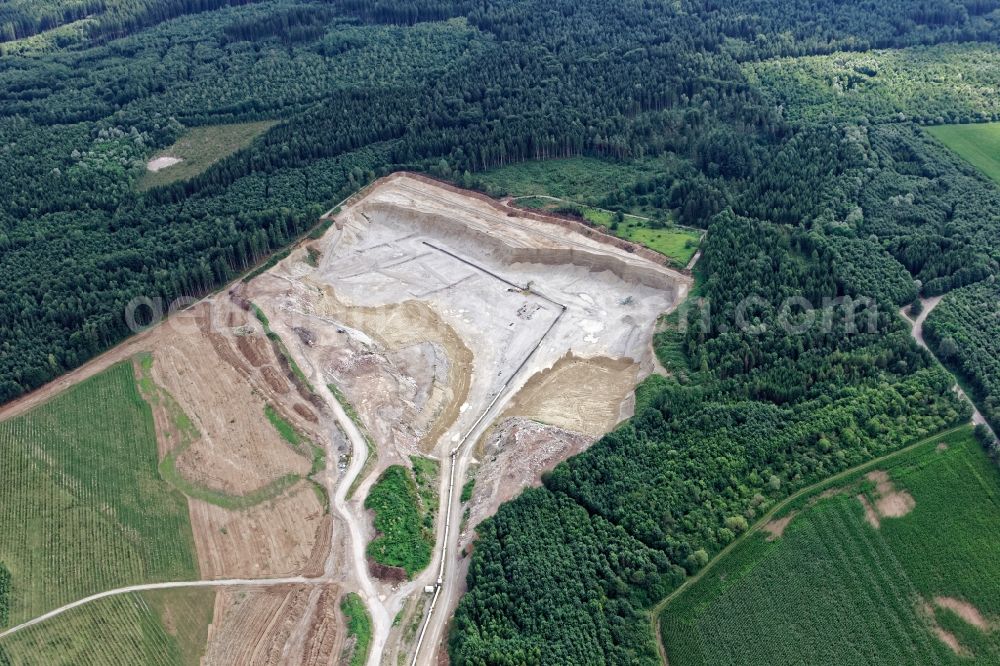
pixel 365 87
pixel 964 332
pixel 796 204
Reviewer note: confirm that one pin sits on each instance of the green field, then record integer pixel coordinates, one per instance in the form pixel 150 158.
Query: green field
pixel 400 519
pixel 979 144
pixel 157 628
pixel 359 627
pixel 201 147
pixel 678 244
pixel 587 186
pixel 834 590
pixel 584 179
pixel 84 509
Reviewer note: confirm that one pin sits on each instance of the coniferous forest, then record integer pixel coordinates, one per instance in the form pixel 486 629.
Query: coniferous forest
pixel 859 204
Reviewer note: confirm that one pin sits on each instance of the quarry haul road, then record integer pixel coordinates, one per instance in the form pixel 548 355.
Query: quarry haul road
pixel 381 621
pixel 446 587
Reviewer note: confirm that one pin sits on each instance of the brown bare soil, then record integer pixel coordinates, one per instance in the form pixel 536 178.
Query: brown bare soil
pixel 387 573
pixel 305 413
pixel 515 453
pixel 776 527
pixel 895 505
pixel 285 536
pixel 579 394
pixel 964 610
pixel 254 349
pixel 888 501
pixel 265 626
pixel 891 503
pixel 942 634
pixel 318 638
pixel 224 396
pixel 275 379
pixel 325 634
pixel 870 514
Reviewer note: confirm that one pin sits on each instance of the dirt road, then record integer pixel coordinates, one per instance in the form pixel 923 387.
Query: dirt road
pixel 337 488
pixel 918 334
pixel 448 584
pixel 236 582
pixel 381 619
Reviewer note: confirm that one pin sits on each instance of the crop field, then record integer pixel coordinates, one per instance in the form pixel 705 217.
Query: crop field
pixel 200 148
pixel 159 628
pixel 978 144
pixel 923 587
pixel 932 84
pixel 399 519
pixel 84 509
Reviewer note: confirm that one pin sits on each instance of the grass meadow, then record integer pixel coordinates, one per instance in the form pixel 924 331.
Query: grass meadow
pixel 978 144
pixel 678 244
pixel 201 147
pixel 402 539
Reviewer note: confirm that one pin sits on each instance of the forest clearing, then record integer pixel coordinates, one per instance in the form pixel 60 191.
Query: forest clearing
pixel 428 309
pixel 978 143
pixel 197 149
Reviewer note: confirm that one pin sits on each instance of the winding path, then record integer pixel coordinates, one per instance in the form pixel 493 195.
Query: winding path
pixel 918 334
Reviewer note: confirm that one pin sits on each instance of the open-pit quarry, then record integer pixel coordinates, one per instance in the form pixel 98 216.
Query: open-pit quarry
pixel 437 323
pixel 425 322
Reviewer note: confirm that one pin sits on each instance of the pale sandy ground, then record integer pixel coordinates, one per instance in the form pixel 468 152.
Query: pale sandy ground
pixel 161 163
